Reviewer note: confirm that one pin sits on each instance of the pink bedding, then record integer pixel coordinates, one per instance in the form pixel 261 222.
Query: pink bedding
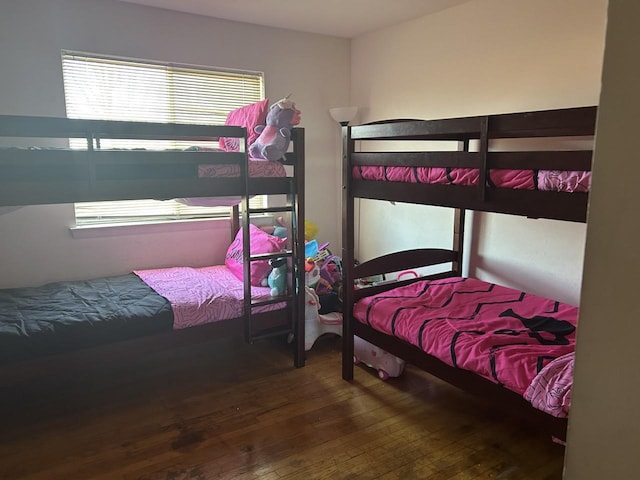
pixel 556 180
pixel 202 295
pixel 257 168
pixel 502 334
pixel 550 390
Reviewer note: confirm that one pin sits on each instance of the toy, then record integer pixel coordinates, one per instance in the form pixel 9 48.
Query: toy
pixel 279 230
pixel 311 273
pixel 330 274
pixel 310 230
pixel 278 276
pixel 274 138
pixel 317 325
pixel 385 363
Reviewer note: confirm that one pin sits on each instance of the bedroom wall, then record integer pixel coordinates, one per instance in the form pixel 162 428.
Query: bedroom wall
pixel 485 56
pixel 604 423
pixel 35 242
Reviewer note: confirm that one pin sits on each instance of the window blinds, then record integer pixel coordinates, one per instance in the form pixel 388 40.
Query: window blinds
pixel 108 88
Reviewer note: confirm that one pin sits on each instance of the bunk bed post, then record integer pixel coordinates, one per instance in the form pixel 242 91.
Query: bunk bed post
pixel 458 239
pixel 484 148
pixel 235 221
pixel 298 249
pixel 246 241
pixel 348 225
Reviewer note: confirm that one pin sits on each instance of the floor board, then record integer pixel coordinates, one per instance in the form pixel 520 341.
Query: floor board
pixel 225 409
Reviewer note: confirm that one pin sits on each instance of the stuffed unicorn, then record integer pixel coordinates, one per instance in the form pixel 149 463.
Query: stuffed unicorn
pixel 273 142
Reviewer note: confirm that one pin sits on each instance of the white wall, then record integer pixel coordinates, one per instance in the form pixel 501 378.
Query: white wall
pixel 35 242
pixel 485 56
pixel 605 419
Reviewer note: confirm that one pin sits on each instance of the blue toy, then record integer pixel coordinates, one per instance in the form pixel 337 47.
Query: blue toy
pixel 274 138
pixel 277 278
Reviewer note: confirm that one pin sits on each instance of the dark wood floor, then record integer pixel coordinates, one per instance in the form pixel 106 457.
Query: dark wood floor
pixel 224 409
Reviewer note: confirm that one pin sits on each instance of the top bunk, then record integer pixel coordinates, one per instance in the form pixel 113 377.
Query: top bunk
pixel 535 164
pixel 121 160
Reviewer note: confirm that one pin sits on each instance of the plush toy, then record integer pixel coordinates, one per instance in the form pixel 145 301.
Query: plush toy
pixel 277 278
pixel 279 230
pixel 310 230
pixel 273 142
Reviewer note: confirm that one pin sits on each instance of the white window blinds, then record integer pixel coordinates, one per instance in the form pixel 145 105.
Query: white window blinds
pixel 107 88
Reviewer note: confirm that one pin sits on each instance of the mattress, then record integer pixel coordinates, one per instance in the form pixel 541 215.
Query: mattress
pixel 65 316
pixel 547 180
pixel 203 295
pixel 504 335
pixel 256 169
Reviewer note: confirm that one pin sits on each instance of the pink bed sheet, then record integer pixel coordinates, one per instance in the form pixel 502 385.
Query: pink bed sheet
pixel 257 168
pixel 202 295
pixel 555 180
pixel 502 334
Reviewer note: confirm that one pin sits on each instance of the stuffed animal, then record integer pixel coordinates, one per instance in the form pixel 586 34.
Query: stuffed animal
pixel 279 230
pixel 277 278
pixel 274 138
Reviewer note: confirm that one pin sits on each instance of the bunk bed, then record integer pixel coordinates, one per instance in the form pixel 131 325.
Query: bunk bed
pixel 533 164
pixel 125 307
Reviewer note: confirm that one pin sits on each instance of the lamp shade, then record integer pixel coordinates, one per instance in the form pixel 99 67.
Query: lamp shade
pixel 343 115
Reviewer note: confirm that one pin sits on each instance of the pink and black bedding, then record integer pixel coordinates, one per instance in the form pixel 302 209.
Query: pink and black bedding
pixel 535 164
pixel 544 180
pixel 66 316
pixel 520 341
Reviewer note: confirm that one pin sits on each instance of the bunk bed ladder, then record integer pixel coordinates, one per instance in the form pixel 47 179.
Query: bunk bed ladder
pixel 294 255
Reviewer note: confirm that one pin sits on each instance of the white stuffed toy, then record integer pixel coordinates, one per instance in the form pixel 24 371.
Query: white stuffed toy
pixel 316 324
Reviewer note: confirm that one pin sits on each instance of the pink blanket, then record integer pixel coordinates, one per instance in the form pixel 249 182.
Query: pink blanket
pixel 202 295
pixel 550 390
pixel 556 180
pixel 502 334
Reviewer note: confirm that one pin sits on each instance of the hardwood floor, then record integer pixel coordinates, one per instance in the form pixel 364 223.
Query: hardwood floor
pixel 224 409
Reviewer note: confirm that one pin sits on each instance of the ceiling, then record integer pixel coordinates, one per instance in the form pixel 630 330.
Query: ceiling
pixel 341 18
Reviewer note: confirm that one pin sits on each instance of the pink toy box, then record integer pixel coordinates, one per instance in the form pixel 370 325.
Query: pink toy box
pixel 385 363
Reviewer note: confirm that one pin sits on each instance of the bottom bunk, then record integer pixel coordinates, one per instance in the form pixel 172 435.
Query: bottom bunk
pixel 62 317
pixel 512 348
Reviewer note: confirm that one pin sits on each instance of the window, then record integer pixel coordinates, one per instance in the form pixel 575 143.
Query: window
pixel 109 88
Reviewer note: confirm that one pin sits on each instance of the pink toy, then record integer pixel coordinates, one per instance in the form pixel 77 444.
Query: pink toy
pixel 385 363
pixel 316 324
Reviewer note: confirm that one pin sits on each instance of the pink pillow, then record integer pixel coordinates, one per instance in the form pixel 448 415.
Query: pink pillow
pixel 249 116
pixel 261 242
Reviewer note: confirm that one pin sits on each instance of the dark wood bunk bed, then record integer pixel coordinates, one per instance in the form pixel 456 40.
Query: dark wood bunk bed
pixel 479 194
pixel 52 175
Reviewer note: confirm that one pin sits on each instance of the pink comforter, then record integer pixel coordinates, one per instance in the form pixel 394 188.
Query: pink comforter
pixel 202 295
pixel 502 334
pixel 555 180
